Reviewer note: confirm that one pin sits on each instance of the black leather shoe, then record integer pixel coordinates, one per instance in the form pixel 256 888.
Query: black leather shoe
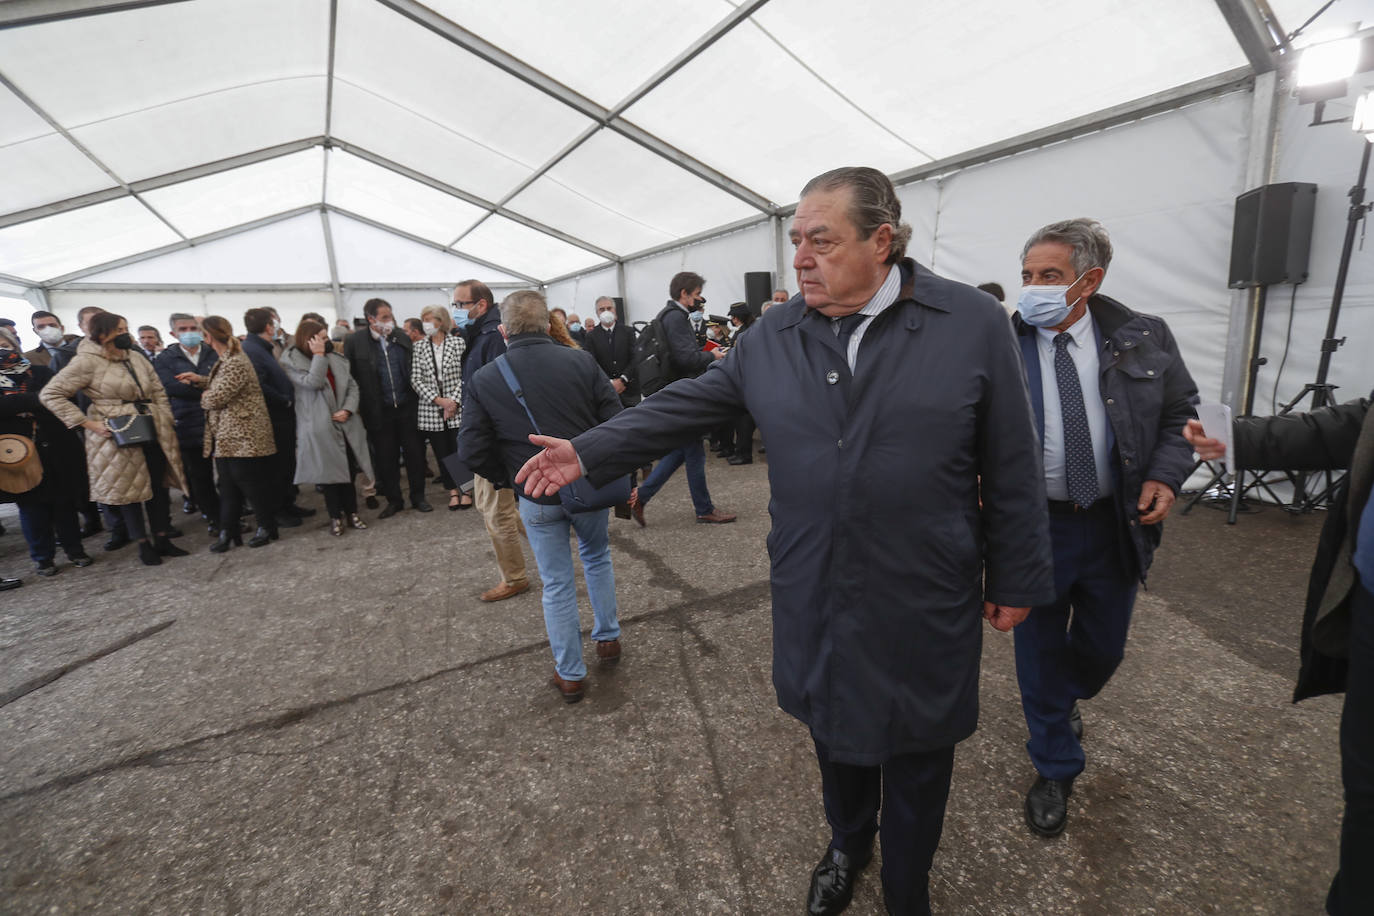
pixel 117 540
pixel 1076 722
pixel 262 537
pixel 165 548
pixel 188 506
pixel 7 583
pixel 739 459
pixel 390 510
pixel 81 560
pixel 371 502
pixel 832 882
pixel 45 569
pixel 226 540
pixel 286 520
pixel 1047 805
pixel 423 506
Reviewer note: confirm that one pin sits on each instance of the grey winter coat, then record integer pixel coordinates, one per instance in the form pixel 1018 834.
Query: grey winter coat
pixel 320 452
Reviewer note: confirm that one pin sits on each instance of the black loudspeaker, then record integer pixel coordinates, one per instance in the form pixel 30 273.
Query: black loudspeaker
pixel 1272 236
pixel 758 288
pixel 619 310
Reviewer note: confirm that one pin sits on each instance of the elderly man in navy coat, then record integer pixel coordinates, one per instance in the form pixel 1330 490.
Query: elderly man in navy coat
pixel 1111 396
pixel 894 391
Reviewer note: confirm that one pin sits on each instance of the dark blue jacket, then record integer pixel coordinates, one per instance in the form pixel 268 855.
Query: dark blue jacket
pixel 686 359
pixel 277 390
pixel 881 552
pixel 1148 395
pixel 484 343
pixel 364 359
pixel 186 409
pixel 566 390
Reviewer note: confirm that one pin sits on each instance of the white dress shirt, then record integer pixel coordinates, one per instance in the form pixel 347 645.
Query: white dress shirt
pixel 1084 349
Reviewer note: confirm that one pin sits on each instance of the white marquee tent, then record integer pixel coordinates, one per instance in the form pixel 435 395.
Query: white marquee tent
pixel 211 155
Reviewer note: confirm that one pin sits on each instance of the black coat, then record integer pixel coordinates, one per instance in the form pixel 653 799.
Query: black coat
pixel 361 352
pixel 186 409
pixel 483 342
pixel 614 351
pixel 565 390
pixel 1330 438
pixel 277 390
pixel 686 359
pixel 881 552
pixel 59 448
pixel 1148 396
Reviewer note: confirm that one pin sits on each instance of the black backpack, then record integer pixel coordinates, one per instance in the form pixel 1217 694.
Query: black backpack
pixel 652 360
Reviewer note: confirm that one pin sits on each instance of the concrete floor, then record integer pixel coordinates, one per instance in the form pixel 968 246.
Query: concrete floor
pixel 339 726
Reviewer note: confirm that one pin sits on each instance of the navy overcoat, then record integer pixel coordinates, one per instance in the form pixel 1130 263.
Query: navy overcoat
pixel 881 553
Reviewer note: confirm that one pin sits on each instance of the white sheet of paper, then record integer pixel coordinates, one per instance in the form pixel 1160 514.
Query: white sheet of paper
pixel 1216 422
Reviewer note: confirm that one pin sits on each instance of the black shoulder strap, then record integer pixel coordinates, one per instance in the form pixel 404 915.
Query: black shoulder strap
pixel 134 375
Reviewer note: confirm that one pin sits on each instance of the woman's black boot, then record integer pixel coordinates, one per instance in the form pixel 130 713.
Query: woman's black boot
pixel 166 548
pixel 226 540
pixel 262 536
pixel 148 554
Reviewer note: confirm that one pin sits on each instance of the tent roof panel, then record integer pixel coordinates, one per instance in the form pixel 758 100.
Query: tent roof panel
pixel 241 195
pixel 629 43
pixel 616 194
pixel 19 122
pixel 969 100
pixel 529 251
pixel 143 58
pixel 57 245
pixel 366 254
pixel 290 251
pixel 450 86
pixel 52 169
pixel 438 150
pixel 380 194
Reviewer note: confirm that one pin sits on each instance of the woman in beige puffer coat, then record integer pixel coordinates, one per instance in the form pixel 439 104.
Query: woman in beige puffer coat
pixel 238 435
pixel 119 380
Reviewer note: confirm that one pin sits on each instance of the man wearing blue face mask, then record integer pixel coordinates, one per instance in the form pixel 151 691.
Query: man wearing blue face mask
pixel 1111 396
pixel 181 366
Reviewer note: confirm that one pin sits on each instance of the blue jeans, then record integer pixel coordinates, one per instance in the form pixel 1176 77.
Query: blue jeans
pixel 548 528
pixel 46 523
pixel 694 456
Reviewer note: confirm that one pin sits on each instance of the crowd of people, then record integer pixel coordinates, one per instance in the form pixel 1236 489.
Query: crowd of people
pixel 931 464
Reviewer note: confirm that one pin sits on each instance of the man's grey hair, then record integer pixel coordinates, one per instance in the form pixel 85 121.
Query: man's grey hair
pixel 179 316
pixel 873 201
pixel 1087 238
pixel 600 299
pixel 525 311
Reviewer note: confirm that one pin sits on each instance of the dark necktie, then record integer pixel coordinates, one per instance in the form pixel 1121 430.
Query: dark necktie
pixel 1079 466
pixel 848 325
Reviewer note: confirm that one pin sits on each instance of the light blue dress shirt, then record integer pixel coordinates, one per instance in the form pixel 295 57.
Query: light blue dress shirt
pixel 1084 350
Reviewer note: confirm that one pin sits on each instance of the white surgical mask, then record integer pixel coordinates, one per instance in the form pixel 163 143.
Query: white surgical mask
pixel 51 334
pixel 386 327
pixel 607 318
pixel 430 328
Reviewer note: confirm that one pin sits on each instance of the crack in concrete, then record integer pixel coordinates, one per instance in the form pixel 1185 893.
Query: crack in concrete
pixel 745 594
pixel 48 677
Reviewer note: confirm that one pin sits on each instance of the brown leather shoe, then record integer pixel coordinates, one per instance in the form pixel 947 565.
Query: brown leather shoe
pixel 716 517
pixel 608 652
pixel 504 591
pixel 637 507
pixel 570 690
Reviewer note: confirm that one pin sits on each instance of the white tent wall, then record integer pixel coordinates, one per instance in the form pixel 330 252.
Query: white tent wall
pixel 579 294
pixel 1328 155
pixel 153 306
pixel 722 261
pixel 408 302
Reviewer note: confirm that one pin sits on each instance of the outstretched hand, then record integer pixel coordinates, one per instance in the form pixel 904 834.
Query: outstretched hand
pixel 551 469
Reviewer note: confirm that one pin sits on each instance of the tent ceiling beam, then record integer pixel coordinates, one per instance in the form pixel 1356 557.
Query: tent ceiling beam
pixel 79 287
pixel 159 181
pixel 471 198
pixel 333 264
pixel 66 135
pixel 15 13
pixel 437 246
pixel 177 246
pixel 18 281
pixel 1247 24
pixel 422 15
pixel 740 14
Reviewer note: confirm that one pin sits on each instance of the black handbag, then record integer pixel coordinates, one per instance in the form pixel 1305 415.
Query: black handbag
pixel 580 495
pixel 136 428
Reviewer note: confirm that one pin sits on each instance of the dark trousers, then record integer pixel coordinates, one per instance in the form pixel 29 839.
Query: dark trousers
pixel 340 499
pixel 159 508
pixel 284 462
pixel 200 477
pixel 113 518
pixel 910 791
pixel 1067 651
pixel 744 435
pixel 1352 890
pixel 251 477
pixel 445 443
pixel 45 522
pixel 395 434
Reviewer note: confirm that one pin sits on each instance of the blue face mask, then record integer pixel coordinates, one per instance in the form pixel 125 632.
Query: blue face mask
pixel 575 326
pixel 191 339
pixel 1045 306
pixel 698 315
pixel 461 319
